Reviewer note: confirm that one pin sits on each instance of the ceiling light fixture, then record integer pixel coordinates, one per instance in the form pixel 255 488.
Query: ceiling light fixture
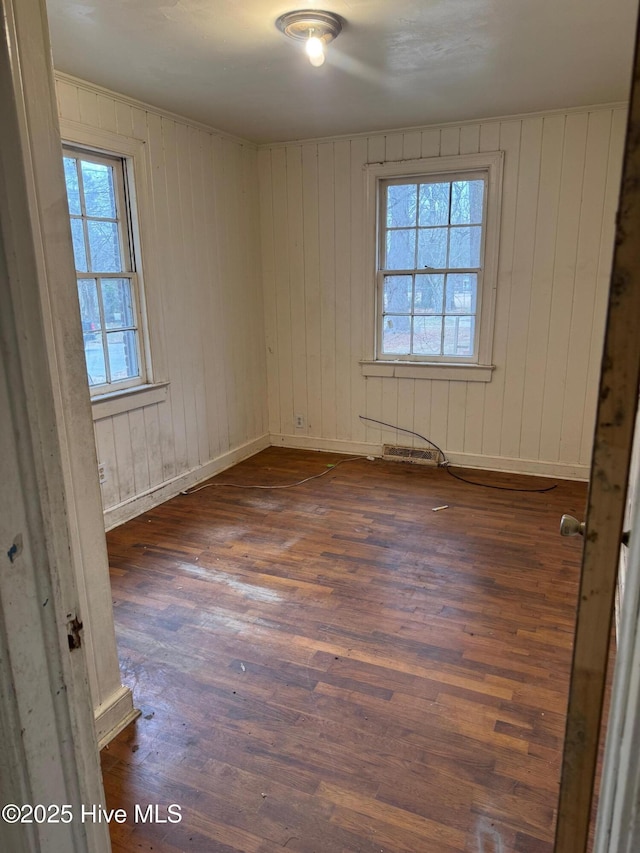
pixel 313 27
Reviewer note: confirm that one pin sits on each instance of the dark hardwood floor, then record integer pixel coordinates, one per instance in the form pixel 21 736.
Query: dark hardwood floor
pixel 335 668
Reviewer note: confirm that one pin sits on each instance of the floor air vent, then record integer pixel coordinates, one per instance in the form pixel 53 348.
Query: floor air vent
pixel 417 456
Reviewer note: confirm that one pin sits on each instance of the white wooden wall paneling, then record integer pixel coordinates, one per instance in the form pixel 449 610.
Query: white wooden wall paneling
pixel 282 294
pixel 204 298
pixel 174 296
pixel 541 284
pixel 238 302
pixel 228 287
pixel 373 408
pixel 159 277
pixel 523 249
pixel 88 104
pixel 124 119
pixel 269 284
pixel 67 96
pixel 107 113
pixel 295 228
pixel 153 444
pixel 106 452
pixel 185 285
pixel 605 259
pixel 358 155
pixel 213 368
pixel 197 141
pixel 509 141
pixel 220 321
pixel 255 311
pixel 326 232
pixel 342 167
pixel 558 206
pixel 124 455
pixel 310 250
pixel 430 143
pixel 140 461
pixel 567 228
pixel 593 189
pixel 476 138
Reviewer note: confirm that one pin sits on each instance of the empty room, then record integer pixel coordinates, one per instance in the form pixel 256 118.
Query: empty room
pixel 319 384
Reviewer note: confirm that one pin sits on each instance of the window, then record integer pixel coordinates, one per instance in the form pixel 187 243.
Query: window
pixel 105 260
pixel 431 247
pixel 435 223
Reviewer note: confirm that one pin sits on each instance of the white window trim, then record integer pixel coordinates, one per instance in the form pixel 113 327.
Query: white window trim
pixel 374 173
pixel 153 385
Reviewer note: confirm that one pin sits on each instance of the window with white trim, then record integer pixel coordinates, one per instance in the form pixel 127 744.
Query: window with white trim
pixel 104 249
pixel 435 225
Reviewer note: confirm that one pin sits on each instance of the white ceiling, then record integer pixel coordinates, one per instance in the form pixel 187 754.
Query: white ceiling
pixel 397 63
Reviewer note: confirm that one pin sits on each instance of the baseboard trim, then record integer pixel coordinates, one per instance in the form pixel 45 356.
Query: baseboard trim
pixel 112 716
pixel 125 511
pixel 534 467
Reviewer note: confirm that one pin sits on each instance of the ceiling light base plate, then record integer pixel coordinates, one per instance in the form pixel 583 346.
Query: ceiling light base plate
pixel 310 22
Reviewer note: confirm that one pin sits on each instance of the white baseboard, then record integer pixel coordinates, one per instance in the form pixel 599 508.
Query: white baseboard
pixel 112 716
pixel 329 445
pixel 561 470
pixel 535 467
pixel 125 511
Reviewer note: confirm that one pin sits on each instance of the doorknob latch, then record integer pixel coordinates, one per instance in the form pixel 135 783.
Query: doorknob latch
pixel 570 526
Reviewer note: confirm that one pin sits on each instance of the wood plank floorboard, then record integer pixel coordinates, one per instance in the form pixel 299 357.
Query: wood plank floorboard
pixel 335 668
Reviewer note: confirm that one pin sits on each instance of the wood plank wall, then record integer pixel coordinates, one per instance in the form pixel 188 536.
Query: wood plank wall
pixel 561 184
pixel 203 273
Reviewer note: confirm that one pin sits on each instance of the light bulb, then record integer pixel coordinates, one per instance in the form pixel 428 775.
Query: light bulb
pixel 315 51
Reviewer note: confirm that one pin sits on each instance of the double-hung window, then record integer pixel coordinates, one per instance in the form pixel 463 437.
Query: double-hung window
pixel 435 223
pixel 430 274
pixel 105 260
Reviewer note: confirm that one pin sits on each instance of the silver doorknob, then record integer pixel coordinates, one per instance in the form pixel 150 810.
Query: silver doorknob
pixel 570 526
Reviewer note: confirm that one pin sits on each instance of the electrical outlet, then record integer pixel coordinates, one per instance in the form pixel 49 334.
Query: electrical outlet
pixel 299 419
pixel 102 473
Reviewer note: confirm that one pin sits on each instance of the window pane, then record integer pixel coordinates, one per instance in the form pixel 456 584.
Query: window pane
pixel 117 303
pixel 401 205
pixel 434 204
pixel 427 335
pixel 396 294
pixel 464 247
pixel 123 355
pixel 94 356
pixel 466 202
pixel 396 335
pixel 89 308
pixel 79 250
pixel 71 180
pixel 99 197
pixel 104 246
pixel 432 248
pixel 429 294
pixel 458 335
pixel 401 250
pixel 461 294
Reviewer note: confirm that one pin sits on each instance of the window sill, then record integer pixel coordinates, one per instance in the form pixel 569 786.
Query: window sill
pixel 422 370
pixel 116 402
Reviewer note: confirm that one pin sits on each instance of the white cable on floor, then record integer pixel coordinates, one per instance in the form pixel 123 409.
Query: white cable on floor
pixel 284 486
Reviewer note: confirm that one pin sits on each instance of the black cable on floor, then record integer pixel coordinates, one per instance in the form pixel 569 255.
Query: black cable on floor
pixel 501 488
pixel 410 431
pixel 446 464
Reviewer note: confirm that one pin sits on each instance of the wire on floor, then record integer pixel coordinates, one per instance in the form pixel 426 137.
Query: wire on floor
pixel 328 470
pixel 450 468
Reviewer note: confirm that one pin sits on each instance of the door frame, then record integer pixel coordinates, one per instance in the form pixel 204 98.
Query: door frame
pixel 611 458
